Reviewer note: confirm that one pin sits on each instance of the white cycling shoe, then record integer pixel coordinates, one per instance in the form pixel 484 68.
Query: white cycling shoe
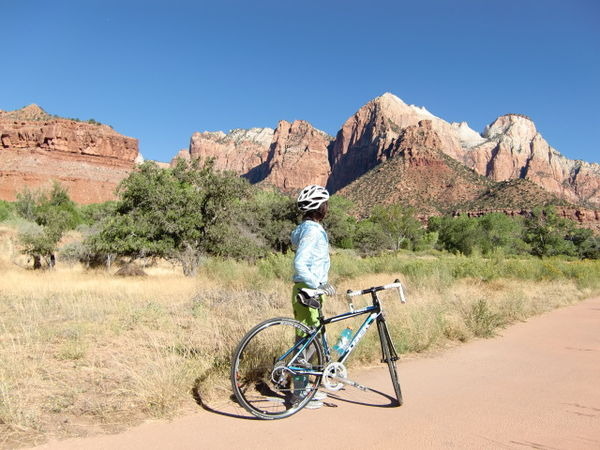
pixel 314 404
pixel 320 395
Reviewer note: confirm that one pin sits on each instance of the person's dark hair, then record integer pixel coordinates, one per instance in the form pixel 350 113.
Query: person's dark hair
pixel 318 214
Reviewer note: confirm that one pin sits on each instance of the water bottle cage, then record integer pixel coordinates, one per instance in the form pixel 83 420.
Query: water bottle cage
pixel 309 298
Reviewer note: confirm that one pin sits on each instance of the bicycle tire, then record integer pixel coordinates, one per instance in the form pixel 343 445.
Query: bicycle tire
pixel 260 379
pixel 389 357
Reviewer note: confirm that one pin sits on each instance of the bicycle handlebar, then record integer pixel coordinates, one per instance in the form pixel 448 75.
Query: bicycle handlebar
pixel 395 285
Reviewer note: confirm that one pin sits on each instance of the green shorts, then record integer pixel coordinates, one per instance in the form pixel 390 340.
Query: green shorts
pixel 304 314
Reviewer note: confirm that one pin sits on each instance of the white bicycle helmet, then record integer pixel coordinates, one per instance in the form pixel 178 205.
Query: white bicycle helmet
pixel 311 197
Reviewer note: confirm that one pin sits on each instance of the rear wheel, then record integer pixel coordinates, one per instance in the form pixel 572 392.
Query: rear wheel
pixel 390 357
pixel 269 377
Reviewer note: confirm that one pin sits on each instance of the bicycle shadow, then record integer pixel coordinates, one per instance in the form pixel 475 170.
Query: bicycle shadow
pixel 198 399
pixel 393 403
pixel 331 396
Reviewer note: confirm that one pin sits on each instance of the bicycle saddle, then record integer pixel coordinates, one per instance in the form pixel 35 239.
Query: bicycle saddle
pixel 309 297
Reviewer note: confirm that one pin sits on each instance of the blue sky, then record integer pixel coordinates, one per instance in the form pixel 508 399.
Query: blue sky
pixel 160 70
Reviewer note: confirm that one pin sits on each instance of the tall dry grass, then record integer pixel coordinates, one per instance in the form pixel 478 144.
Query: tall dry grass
pixel 82 352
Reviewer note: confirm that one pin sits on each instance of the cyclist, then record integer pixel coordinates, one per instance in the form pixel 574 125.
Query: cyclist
pixel 311 264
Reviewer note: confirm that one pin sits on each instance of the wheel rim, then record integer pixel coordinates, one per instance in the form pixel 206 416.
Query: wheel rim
pixel 264 381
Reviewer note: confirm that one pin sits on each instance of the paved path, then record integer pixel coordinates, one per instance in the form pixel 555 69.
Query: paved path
pixel 537 385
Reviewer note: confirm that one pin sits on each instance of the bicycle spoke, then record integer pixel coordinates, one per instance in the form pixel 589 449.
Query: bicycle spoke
pixel 263 379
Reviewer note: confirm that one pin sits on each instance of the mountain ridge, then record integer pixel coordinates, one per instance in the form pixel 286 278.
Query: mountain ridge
pixel 88 158
pixel 510 147
pixel 427 150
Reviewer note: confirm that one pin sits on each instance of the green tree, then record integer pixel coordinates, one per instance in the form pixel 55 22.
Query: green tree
pixel 38 243
pixel 180 213
pixel 340 225
pixel 399 224
pixel 546 233
pixel 499 231
pixel 54 213
pixel 587 245
pixel 272 216
pixel 6 210
pixel 459 234
pixel 26 204
pixel 370 237
pixel 96 212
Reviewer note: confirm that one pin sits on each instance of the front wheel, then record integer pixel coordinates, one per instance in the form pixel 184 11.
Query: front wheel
pixel 274 374
pixel 390 357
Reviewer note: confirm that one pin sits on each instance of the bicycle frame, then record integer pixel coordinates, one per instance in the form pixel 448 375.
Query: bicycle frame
pixel 280 363
pixel 375 311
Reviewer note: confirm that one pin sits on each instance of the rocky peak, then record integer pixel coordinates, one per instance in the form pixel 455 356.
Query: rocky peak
pixel 467 136
pixel 514 126
pixel 29 112
pixel 389 102
pixel 260 136
pixel 513 148
pixel 298 156
pixel 244 152
pixel 369 136
pixel 298 135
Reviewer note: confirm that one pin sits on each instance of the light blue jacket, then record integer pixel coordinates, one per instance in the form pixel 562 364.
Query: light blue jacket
pixel 311 263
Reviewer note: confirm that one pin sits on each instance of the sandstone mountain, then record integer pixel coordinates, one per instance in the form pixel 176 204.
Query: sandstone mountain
pixel 369 136
pixel 513 148
pixel 89 159
pixel 242 151
pixel 290 157
pixel 510 148
pixel 416 173
pixel 386 151
pixel 298 156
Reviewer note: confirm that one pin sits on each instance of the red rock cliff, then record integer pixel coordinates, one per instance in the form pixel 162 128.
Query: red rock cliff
pixel 36 148
pixel 244 152
pixel 298 156
pixel 368 137
pixel 290 157
pixel 514 149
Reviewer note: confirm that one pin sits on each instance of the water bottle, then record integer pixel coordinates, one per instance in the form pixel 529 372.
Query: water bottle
pixel 343 341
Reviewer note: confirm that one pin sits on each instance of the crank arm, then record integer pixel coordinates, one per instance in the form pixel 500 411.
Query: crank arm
pixel 351 383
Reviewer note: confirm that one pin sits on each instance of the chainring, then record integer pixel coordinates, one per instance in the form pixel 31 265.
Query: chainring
pixel 333 370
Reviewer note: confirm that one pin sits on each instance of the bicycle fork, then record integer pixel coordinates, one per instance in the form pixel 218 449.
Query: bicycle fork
pixel 385 334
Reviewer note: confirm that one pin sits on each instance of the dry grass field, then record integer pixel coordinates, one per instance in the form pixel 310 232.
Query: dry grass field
pixel 84 352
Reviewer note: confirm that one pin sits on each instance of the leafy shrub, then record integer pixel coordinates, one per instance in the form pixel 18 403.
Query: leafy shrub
pixel 6 210
pixel 481 320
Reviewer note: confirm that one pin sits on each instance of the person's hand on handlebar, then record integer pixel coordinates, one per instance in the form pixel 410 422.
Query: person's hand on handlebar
pixel 327 288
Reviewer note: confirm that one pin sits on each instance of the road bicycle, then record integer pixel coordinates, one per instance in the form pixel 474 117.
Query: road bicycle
pixel 280 363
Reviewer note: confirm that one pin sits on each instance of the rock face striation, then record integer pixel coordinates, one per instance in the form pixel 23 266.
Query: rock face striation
pixel 290 157
pixel 370 135
pixel 418 174
pixel 509 148
pixel 89 159
pixel 513 148
pixel 293 154
pixel 244 152
pixel 298 156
